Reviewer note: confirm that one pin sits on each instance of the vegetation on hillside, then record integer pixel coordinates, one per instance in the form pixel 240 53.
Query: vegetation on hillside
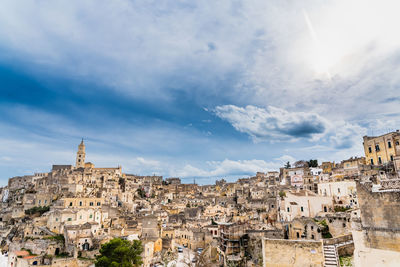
pixel 37 210
pixel 120 253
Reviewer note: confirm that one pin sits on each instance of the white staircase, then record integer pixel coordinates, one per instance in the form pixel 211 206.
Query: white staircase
pixel 331 256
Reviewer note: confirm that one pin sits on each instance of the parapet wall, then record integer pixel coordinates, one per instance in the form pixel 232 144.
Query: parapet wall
pixel 285 253
pixel 380 218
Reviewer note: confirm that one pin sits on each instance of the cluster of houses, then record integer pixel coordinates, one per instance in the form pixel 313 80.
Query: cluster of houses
pixel 307 215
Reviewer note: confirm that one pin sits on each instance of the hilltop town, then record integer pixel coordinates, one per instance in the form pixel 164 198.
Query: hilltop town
pixel 310 214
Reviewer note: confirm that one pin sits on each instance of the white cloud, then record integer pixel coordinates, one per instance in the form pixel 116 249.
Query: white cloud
pixel 276 124
pixel 255 53
pixel 272 123
pixel 346 135
pixel 227 168
pixel 142 48
pixel 285 158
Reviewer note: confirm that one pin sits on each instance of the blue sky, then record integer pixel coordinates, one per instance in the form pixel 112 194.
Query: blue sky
pixel 192 89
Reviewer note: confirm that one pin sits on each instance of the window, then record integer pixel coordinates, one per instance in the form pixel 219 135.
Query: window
pixel 40 201
pixel 391 157
pixel 312 227
pixel 90 216
pixel 45 202
pixel 338 190
pixel 377 149
pixel 397 143
pixel 302 209
pixel 70 204
pixel 344 224
pixel 91 204
pixel 370 150
pixel 379 160
pixel 325 209
pixel 298 235
pixel 56 219
pixel 98 203
pixel 69 219
pixel 372 161
pixel 312 236
pixel 288 209
pixel 389 144
pixel 80 203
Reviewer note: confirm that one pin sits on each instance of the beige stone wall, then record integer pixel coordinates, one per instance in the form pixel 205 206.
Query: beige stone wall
pixel 285 253
pixel 380 218
pixel 367 256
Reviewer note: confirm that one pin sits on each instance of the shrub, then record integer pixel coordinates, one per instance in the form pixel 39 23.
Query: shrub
pixel 37 210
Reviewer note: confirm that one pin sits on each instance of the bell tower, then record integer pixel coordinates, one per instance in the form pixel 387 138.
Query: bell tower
pixel 80 156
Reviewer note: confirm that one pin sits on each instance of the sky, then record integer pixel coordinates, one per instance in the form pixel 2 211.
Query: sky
pixel 194 89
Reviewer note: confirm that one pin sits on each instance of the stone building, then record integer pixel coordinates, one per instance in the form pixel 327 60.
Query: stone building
pixel 304 229
pixel 80 156
pixel 381 149
pixel 233 243
pixel 353 166
pixel 303 203
pixel 343 192
pixel 377 243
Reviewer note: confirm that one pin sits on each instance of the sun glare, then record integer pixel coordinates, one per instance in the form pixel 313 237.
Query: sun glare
pixel 340 36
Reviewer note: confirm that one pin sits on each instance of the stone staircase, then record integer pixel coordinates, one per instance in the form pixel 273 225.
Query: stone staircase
pixel 331 256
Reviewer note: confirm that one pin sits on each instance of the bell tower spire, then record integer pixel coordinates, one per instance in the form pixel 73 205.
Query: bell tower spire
pixel 80 155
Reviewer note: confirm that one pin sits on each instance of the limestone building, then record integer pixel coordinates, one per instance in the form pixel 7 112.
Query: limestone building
pixel 382 149
pixel 80 156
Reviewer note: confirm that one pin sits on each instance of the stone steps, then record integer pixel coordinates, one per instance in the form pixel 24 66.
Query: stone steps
pixel 331 257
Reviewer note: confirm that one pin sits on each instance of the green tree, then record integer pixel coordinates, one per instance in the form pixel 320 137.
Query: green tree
pixel 37 210
pixel 120 253
pixel 313 163
pixel 287 165
pixel 141 192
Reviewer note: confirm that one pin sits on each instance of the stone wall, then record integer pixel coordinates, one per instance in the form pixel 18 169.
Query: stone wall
pixel 285 253
pixel 365 255
pixel 380 218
